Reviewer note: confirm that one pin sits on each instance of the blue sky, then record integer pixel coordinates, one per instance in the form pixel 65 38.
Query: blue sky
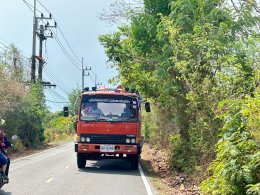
pixel 79 22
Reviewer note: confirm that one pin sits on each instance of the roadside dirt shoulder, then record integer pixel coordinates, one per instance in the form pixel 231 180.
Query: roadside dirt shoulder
pixel 154 163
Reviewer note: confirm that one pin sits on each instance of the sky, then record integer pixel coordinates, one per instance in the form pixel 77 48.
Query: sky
pixel 79 22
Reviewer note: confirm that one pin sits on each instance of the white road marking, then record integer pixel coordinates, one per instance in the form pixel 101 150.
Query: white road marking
pixel 146 184
pixel 38 153
pixel 67 167
pixel 49 180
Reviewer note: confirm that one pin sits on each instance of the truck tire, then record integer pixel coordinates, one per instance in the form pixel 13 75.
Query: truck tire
pixel 81 161
pixel 134 162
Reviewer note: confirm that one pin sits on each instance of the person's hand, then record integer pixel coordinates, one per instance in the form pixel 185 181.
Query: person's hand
pixel 3 144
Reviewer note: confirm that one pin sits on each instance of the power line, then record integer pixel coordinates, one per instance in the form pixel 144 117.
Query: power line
pixel 50 93
pixel 56 96
pixel 62 34
pixel 59 78
pixel 65 52
pixel 79 60
pixel 60 85
pixel 56 102
pixel 4 40
pixel 28 5
pixel 59 95
pixel 55 37
pixel 23 57
pixel 43 6
pixel 6 44
pixel 69 45
pixel 77 63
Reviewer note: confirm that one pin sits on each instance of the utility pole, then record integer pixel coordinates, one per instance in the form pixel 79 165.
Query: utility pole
pixel 33 67
pixel 41 61
pixel 40 32
pixel 43 37
pixel 96 84
pixel 83 74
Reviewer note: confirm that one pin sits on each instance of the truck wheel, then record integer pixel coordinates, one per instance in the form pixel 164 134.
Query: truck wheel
pixel 134 162
pixel 81 161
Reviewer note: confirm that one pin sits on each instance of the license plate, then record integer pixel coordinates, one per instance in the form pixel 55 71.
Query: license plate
pixel 107 148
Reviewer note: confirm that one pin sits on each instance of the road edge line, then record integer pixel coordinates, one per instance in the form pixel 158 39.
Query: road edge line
pixel 146 184
pixel 37 153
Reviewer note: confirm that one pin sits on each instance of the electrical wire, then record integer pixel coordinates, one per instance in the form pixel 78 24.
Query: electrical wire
pixel 61 34
pixel 31 7
pixel 56 81
pixel 93 80
pixel 51 77
pixel 56 102
pixel 59 95
pixel 56 96
pixel 28 5
pixel 9 47
pixel 58 77
pixel 56 38
pixel 77 64
pixel 66 53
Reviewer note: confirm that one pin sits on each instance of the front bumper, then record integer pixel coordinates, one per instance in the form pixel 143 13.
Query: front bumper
pixel 85 148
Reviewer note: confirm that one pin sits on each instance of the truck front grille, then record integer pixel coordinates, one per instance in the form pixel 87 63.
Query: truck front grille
pixel 107 138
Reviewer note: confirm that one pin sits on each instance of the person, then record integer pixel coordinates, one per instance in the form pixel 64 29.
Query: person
pixel 128 112
pixel 94 109
pixel 91 108
pixel 4 160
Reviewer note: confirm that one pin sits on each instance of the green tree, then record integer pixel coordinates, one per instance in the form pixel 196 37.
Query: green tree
pixel 187 56
pixel 236 169
pixel 27 119
pixel 74 101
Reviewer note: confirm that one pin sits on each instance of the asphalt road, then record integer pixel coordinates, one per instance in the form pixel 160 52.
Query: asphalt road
pixel 55 172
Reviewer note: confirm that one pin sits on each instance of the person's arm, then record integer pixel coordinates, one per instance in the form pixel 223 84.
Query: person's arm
pixel 6 142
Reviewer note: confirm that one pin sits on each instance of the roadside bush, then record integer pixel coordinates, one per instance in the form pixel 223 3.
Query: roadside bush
pixel 236 169
pixel 18 145
pixel 58 128
pixel 182 157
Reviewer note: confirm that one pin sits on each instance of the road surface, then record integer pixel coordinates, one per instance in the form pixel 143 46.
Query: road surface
pixel 54 171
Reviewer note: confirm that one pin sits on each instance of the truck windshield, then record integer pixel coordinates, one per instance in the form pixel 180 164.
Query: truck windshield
pixel 109 108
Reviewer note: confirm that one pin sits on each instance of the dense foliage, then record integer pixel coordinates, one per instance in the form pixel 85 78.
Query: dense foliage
pixel 74 103
pixel 187 57
pixel 236 169
pixel 23 107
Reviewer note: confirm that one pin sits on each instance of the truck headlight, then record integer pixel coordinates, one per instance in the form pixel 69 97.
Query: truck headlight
pixel 87 139
pixel 133 140
pixel 127 140
pixel 82 139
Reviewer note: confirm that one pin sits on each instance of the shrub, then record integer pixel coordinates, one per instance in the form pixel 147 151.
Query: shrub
pixel 236 169
pixel 18 145
pixel 182 157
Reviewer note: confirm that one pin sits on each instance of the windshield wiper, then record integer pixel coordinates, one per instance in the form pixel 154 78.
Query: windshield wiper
pixel 88 120
pixel 104 119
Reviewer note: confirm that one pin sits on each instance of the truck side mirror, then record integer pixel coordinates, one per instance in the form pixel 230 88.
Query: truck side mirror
pixel 66 111
pixel 147 107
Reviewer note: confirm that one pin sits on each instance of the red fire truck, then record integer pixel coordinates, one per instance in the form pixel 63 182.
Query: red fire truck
pixel 109 125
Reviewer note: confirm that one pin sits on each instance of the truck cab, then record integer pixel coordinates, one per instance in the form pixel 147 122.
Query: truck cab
pixel 109 126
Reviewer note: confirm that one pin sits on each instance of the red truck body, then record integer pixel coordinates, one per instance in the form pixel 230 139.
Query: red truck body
pixel 112 129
